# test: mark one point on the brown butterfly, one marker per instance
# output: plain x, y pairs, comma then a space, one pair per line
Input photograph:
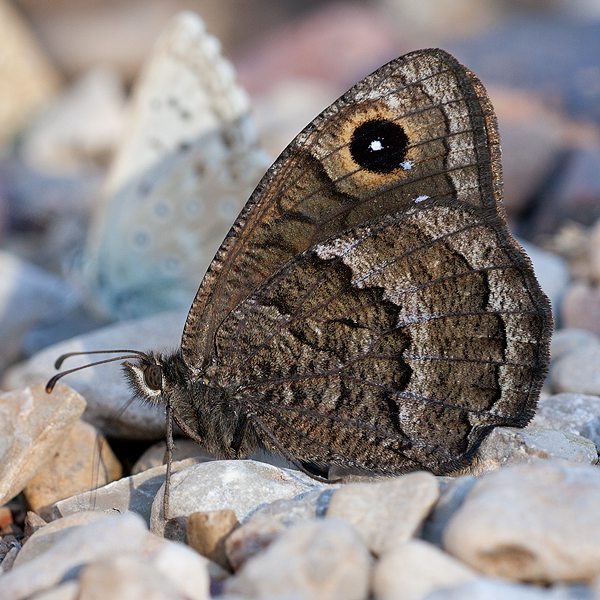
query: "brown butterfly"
369, 308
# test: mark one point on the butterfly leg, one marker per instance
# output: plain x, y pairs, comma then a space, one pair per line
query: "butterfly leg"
239, 433
168, 458
284, 452
186, 428
315, 469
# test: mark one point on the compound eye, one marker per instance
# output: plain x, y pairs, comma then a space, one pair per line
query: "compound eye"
153, 377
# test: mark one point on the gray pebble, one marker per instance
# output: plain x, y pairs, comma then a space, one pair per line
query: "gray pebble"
577, 371
386, 513
511, 446
241, 485
534, 522
573, 413
320, 559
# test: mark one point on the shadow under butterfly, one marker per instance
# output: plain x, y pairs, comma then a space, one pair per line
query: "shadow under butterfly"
369, 308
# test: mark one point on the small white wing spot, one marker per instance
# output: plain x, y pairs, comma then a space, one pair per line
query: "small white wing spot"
420, 198
407, 165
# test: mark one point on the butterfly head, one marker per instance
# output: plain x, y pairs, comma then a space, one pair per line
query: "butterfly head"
152, 376
149, 375
146, 376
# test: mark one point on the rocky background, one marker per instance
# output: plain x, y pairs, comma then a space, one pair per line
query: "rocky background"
127, 126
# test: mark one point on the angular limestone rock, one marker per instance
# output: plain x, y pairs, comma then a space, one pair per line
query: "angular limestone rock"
93, 541
84, 461
129, 494
33, 425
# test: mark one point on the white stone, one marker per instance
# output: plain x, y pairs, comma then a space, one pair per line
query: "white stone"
184, 568
386, 513
512, 446
534, 522
154, 456
28, 296
65, 591
95, 541
320, 560
44, 538
241, 485
577, 371
565, 340
267, 523
32, 427
126, 577
81, 128
415, 568
573, 413
135, 493
104, 387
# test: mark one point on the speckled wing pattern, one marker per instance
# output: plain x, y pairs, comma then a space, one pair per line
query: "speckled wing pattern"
378, 316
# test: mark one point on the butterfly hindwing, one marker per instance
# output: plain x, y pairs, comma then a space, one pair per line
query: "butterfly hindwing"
400, 342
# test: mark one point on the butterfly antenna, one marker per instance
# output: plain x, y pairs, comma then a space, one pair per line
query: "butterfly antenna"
52, 382
63, 357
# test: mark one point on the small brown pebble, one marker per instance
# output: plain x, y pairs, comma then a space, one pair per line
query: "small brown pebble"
251, 538
33, 522
206, 533
6, 517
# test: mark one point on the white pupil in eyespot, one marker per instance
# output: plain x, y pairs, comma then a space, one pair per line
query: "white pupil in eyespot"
376, 145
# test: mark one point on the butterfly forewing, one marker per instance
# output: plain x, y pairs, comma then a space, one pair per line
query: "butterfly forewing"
316, 189
370, 306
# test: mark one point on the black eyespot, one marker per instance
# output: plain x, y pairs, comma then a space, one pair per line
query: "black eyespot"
379, 145
153, 377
